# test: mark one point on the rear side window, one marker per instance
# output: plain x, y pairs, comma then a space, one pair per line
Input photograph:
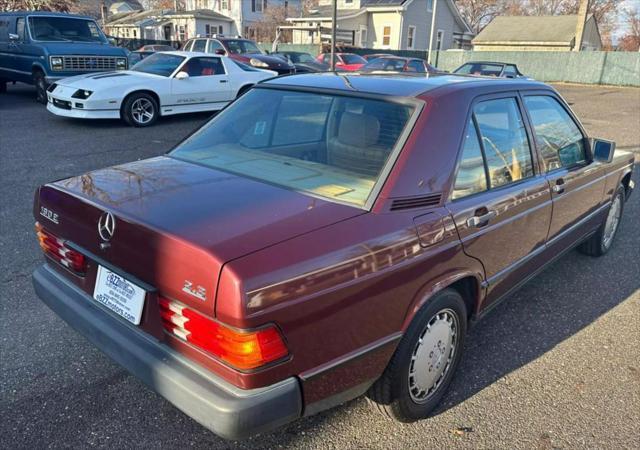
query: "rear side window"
202, 67
471, 177
504, 140
213, 46
416, 66
187, 46
558, 138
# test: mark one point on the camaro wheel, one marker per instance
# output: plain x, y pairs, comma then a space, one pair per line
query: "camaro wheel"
140, 110
41, 87
423, 365
601, 241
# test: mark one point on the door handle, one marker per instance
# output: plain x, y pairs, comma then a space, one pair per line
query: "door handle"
223, 81
482, 219
558, 188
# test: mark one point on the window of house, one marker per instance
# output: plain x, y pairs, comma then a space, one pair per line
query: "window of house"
135, 34
411, 33
386, 35
429, 5
258, 5
224, 4
504, 140
363, 37
207, 30
182, 32
220, 30
471, 177
557, 136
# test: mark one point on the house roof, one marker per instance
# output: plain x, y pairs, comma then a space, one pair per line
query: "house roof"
133, 4
157, 16
529, 29
325, 11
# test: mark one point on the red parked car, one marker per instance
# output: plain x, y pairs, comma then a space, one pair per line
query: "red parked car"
344, 61
321, 239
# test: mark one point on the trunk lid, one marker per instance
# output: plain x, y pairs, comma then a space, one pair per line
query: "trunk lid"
178, 223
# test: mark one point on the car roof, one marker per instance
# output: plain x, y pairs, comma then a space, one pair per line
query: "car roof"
392, 84
188, 54
498, 63
44, 13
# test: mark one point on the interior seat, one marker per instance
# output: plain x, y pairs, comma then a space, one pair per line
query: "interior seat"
355, 147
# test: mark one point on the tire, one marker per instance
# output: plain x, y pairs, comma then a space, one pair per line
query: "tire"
3, 86
243, 90
140, 110
602, 241
40, 83
402, 392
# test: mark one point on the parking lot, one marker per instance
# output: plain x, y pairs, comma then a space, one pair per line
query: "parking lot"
555, 366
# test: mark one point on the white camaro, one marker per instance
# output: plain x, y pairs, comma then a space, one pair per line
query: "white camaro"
162, 84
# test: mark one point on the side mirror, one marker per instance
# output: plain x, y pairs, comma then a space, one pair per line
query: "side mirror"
220, 52
603, 150
14, 37
182, 75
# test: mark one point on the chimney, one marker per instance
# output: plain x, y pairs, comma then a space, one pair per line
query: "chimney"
582, 19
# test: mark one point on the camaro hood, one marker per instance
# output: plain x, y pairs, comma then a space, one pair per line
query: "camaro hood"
102, 80
226, 214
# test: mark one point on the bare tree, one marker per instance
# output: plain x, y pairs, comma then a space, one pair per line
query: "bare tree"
630, 42
38, 5
272, 17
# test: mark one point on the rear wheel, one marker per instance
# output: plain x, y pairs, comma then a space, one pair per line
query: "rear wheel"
40, 83
140, 110
601, 242
3, 85
425, 361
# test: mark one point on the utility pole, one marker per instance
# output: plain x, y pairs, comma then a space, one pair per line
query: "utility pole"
334, 16
433, 26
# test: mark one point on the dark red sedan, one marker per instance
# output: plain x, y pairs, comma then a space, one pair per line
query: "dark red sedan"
344, 61
323, 237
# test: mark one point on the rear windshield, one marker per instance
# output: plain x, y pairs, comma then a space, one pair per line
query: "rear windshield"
353, 59
240, 47
326, 145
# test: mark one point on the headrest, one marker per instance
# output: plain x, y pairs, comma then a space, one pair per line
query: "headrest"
358, 130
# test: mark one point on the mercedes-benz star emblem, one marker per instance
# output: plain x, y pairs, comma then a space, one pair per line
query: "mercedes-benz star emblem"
106, 226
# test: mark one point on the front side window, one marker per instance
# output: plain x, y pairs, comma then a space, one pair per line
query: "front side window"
203, 67
159, 64
558, 138
199, 45
504, 139
20, 29
471, 177
239, 47
57, 29
214, 46
325, 145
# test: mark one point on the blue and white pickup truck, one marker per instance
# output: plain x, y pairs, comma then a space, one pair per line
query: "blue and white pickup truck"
40, 48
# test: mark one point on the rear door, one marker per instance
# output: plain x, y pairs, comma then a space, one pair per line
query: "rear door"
500, 202
207, 86
577, 183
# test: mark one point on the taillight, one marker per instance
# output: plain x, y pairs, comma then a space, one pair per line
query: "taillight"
56, 248
241, 349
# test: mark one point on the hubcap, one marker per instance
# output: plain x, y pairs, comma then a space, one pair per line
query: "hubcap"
142, 110
613, 219
433, 355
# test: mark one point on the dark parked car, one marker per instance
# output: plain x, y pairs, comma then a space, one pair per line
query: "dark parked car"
241, 50
41, 48
304, 62
489, 69
399, 64
325, 236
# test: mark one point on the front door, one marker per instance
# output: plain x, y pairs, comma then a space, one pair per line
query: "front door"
577, 184
207, 87
501, 204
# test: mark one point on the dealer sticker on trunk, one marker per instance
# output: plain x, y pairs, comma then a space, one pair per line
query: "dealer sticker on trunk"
119, 295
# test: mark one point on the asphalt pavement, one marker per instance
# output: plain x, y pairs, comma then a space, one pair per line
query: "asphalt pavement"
555, 366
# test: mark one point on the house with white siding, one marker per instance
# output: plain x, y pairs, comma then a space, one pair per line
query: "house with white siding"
385, 24
247, 15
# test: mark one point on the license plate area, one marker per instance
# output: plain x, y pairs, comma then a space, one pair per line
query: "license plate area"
119, 295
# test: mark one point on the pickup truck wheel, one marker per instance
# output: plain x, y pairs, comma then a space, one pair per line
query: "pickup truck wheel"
602, 240
41, 87
425, 361
140, 110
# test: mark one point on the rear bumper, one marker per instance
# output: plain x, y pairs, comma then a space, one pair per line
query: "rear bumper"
226, 410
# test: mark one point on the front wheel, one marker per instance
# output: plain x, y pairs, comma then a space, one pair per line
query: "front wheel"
425, 361
41, 87
601, 242
140, 110
3, 86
